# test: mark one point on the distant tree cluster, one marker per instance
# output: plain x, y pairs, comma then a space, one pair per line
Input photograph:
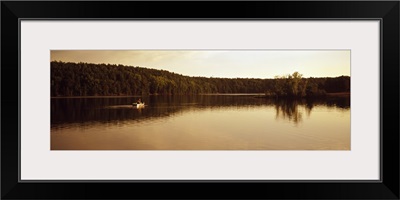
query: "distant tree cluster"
295, 85
84, 79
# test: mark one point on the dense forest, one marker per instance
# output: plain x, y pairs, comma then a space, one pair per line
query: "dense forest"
85, 79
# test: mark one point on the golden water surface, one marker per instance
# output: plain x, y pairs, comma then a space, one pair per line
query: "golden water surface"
214, 122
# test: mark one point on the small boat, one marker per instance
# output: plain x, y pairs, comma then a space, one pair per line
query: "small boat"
138, 105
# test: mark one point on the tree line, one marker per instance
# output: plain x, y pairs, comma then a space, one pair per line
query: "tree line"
86, 79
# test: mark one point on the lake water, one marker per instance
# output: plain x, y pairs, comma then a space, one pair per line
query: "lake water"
202, 122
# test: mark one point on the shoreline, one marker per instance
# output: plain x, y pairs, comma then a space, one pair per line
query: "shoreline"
336, 94
76, 97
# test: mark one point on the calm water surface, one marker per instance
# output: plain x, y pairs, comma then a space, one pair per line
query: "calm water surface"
203, 122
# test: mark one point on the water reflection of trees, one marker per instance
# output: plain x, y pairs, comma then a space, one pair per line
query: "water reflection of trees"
292, 109
89, 111
288, 110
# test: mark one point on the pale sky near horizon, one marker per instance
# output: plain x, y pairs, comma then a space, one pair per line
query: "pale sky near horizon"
221, 63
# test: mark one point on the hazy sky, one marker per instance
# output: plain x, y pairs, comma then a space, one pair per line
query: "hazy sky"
221, 63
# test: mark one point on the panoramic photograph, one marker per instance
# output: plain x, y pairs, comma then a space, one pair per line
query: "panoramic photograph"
200, 100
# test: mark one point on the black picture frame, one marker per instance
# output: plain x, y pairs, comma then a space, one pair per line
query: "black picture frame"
386, 11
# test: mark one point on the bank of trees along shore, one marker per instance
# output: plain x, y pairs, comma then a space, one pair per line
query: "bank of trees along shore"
85, 79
